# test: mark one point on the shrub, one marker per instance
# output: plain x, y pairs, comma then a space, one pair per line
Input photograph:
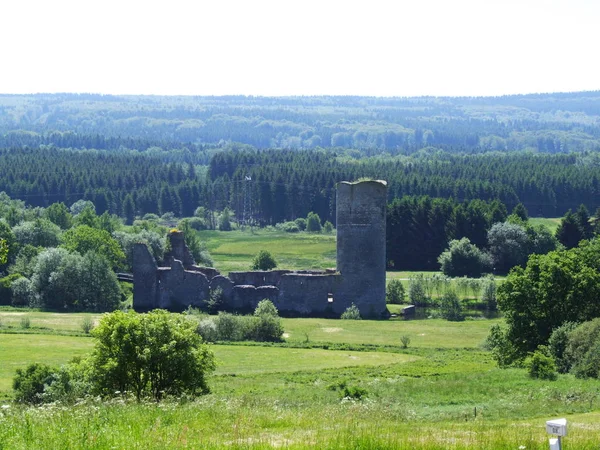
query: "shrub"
207, 329
301, 223
328, 227
266, 308
152, 355
263, 261
87, 324
463, 259
25, 322
395, 292
416, 291
289, 227
216, 301
264, 328
488, 293
229, 327
405, 340
557, 345
451, 308
351, 313
29, 384
539, 365
313, 223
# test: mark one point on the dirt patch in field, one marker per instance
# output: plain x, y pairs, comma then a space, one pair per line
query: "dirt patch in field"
332, 330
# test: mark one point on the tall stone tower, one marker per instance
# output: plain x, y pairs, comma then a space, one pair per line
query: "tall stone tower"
361, 224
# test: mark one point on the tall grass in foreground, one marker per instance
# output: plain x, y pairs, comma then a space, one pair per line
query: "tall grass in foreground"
216, 423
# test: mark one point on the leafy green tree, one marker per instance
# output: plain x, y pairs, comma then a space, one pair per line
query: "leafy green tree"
557, 345
59, 214
464, 259
225, 220
39, 233
195, 245
263, 261
540, 365
582, 352
266, 308
7, 235
153, 355
508, 246
25, 260
488, 293
328, 227
83, 239
552, 289
313, 223
153, 240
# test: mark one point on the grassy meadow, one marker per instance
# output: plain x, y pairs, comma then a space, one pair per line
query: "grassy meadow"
441, 392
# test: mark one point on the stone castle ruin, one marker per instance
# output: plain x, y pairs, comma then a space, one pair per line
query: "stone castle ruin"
359, 277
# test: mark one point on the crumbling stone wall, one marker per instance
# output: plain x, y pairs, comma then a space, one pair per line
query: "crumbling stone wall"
359, 279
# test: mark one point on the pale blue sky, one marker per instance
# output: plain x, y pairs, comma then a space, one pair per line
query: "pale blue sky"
307, 47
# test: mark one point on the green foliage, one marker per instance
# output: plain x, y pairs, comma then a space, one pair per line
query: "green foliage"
5, 288
263, 328
216, 301
313, 223
557, 346
464, 259
263, 261
289, 227
569, 232
153, 240
301, 223
488, 293
39, 233
508, 246
69, 281
416, 291
83, 239
153, 355
405, 340
348, 392
451, 307
554, 288
328, 227
582, 353
25, 260
351, 313
28, 384
87, 324
59, 214
503, 351
25, 322
21, 292
540, 365
196, 247
521, 212
394, 293
225, 220
266, 308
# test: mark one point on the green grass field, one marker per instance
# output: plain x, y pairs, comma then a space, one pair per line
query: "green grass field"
551, 223
442, 392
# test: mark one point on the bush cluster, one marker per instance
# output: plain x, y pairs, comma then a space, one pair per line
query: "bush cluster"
264, 326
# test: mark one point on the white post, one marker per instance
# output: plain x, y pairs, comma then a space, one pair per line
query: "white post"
557, 427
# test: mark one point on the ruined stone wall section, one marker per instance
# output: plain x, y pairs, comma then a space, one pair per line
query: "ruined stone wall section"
307, 294
258, 277
145, 279
361, 227
179, 250
179, 288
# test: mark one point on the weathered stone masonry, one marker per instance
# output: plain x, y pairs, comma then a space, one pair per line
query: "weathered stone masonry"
359, 278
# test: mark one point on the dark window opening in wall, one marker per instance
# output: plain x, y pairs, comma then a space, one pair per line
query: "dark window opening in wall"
329, 298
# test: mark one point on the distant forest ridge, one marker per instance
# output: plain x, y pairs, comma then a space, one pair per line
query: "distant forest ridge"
548, 123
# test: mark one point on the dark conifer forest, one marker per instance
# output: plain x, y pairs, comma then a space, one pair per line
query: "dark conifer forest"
453, 165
